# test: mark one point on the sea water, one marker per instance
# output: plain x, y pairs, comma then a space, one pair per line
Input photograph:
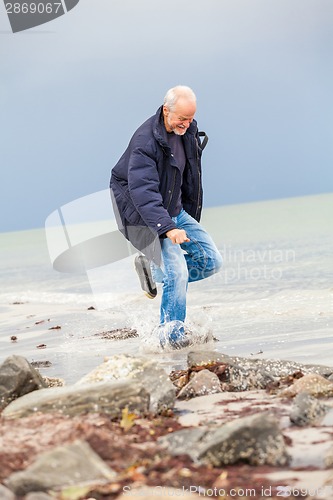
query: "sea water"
273, 298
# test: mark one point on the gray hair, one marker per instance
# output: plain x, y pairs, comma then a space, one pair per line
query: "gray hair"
172, 96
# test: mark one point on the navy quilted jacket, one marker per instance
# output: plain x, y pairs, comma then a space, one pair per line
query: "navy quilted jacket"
146, 179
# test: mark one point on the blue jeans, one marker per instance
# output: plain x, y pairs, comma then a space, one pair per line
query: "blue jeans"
180, 264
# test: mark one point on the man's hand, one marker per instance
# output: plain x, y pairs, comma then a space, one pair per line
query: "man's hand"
177, 236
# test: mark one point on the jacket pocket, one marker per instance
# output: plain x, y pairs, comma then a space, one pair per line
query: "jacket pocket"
131, 214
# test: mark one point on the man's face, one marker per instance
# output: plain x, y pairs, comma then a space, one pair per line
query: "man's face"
179, 119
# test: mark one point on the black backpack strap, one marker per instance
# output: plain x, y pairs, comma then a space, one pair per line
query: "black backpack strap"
204, 140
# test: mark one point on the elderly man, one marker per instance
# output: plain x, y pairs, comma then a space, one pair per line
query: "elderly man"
156, 188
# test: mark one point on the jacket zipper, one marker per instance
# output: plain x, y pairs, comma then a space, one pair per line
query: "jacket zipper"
173, 188
199, 177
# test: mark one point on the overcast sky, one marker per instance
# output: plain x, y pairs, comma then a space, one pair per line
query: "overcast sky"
73, 91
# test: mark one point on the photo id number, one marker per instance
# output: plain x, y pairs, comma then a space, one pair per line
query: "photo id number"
32, 8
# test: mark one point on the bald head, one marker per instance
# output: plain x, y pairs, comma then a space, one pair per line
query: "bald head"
179, 92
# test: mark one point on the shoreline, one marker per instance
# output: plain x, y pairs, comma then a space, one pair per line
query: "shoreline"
74, 338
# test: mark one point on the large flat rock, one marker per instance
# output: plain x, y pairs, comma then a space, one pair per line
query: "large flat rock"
106, 397
64, 465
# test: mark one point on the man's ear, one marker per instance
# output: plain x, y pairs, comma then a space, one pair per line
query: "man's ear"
166, 110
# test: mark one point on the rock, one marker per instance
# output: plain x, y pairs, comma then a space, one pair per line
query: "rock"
199, 358
117, 367
157, 383
106, 397
246, 379
144, 370
243, 374
64, 465
17, 377
275, 368
184, 442
152, 493
313, 384
54, 381
256, 440
233, 377
6, 494
307, 410
201, 384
